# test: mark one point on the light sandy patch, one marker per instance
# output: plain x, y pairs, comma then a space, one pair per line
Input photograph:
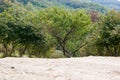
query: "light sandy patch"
86, 68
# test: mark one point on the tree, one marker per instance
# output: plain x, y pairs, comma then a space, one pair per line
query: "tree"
17, 32
109, 37
67, 27
6, 33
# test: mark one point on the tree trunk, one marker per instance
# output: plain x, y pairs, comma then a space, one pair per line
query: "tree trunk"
5, 47
23, 51
109, 51
12, 50
116, 52
66, 53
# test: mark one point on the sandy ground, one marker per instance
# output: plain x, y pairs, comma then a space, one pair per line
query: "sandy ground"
86, 68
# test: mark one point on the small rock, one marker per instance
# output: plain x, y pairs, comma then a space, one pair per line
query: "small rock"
12, 67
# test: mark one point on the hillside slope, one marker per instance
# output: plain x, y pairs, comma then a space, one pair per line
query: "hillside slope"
37, 4
111, 4
98, 5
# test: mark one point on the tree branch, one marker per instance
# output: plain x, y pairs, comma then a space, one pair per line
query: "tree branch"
68, 33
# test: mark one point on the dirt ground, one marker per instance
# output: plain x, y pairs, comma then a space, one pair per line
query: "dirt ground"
85, 68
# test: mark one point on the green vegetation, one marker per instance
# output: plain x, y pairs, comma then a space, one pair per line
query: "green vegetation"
31, 29
109, 36
38, 4
68, 28
110, 4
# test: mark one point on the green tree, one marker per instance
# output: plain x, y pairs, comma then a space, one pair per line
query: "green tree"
109, 37
67, 27
17, 32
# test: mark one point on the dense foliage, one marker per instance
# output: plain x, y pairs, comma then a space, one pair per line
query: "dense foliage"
28, 29
109, 36
69, 28
38, 4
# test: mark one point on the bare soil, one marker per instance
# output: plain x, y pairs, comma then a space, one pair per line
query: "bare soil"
85, 68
